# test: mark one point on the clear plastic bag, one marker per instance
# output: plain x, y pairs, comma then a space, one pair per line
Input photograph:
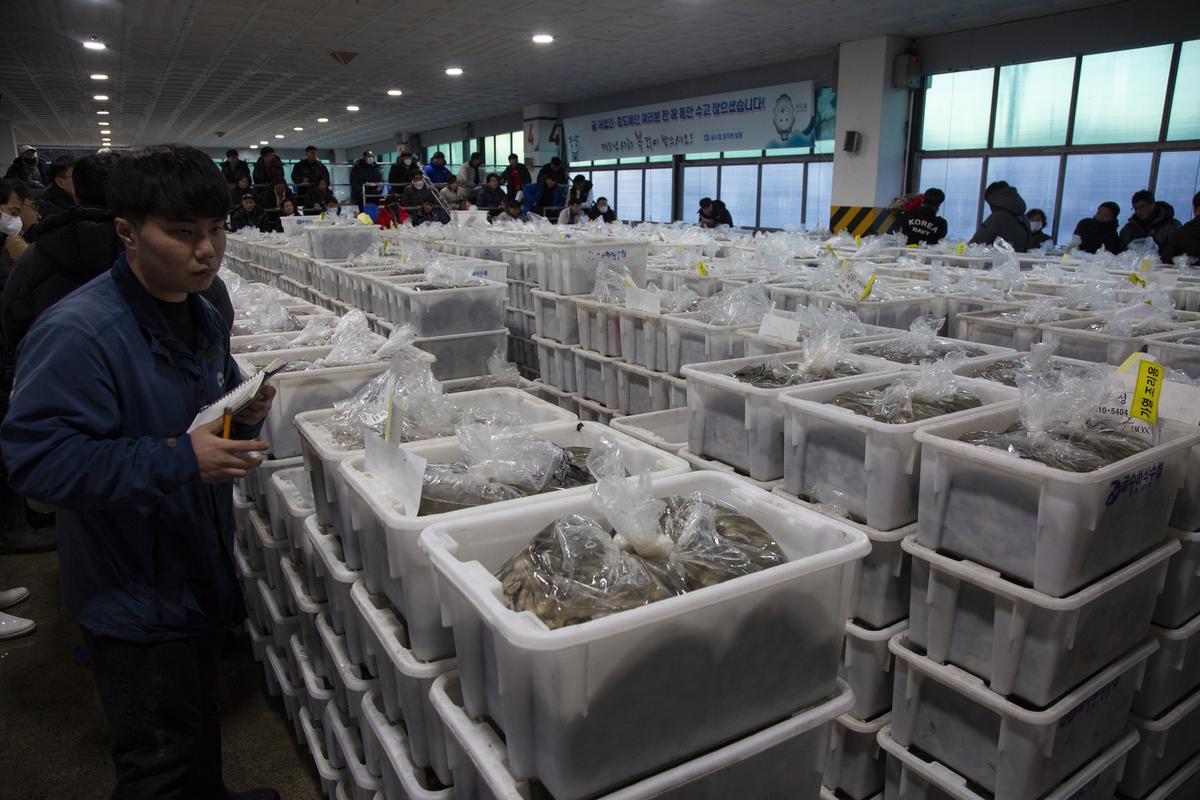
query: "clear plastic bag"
677, 301
628, 503
399, 340
739, 306
317, 331
352, 340
501, 373
611, 282
833, 317
829, 500
406, 375
927, 392
824, 359
512, 455
920, 345
442, 275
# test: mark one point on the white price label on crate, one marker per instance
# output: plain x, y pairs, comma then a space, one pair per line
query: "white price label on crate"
780, 327
642, 300
403, 470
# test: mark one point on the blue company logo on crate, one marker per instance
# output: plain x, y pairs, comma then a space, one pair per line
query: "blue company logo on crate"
612, 254
1134, 482
1092, 702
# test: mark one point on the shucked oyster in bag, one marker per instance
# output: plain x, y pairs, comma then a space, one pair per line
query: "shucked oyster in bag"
931, 391
823, 359
1093, 447
921, 345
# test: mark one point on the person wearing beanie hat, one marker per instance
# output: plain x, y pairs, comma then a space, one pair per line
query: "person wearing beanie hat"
922, 225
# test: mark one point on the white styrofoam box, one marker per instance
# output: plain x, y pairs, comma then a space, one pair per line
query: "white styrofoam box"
297, 392
1070, 339
1180, 598
1171, 673
242, 506
704, 463
1006, 748
1022, 643
557, 362
386, 747
856, 763
571, 699
565, 400
330, 776
326, 566
640, 390
643, 338
881, 588
294, 498
278, 621
599, 326
570, 267
1175, 354
692, 341
340, 242
876, 464
317, 691
382, 521
345, 747
460, 355
271, 551
742, 424
596, 378
666, 430
403, 680
1054, 530
868, 667
555, 317
348, 679
591, 411
896, 313
1167, 742
784, 760
989, 327
442, 312
915, 777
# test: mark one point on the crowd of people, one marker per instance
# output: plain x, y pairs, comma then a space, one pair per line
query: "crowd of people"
1152, 223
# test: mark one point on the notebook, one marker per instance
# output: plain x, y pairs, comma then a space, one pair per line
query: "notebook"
237, 398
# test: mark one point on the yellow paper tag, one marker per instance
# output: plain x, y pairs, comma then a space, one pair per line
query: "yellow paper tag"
832, 252
1130, 362
1146, 392
1136, 280
1064, 257
962, 248
385, 246
701, 270
322, 217
844, 264
858, 240
387, 425
1145, 265
911, 246
365, 219
866, 292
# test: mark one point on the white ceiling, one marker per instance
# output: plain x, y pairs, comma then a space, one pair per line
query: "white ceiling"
181, 70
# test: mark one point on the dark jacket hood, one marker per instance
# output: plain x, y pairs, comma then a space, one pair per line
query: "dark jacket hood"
1163, 212
1008, 200
80, 243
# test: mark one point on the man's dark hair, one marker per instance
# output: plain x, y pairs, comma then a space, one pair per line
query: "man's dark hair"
452, 179
705, 201
248, 196
1143, 196
995, 186
438, 154
511, 156
513, 204
427, 201
310, 148
9, 187
600, 200
90, 174
392, 199
574, 201
230, 152
556, 161
1196, 200
267, 151
1035, 212
475, 156
1111, 206
177, 182
367, 152
934, 197
59, 166
491, 175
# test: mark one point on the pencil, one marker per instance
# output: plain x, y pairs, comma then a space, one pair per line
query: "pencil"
228, 422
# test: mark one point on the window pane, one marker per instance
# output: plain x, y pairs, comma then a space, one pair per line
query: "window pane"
697, 182
1092, 179
742, 153
658, 195
641, 160
1036, 179
517, 145
1121, 95
1033, 102
958, 107
1185, 106
820, 191
782, 195
604, 162
604, 185
789, 151
739, 190
1178, 180
629, 195
489, 151
959, 179
701, 156
660, 159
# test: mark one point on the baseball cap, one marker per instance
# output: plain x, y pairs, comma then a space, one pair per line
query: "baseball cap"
26, 148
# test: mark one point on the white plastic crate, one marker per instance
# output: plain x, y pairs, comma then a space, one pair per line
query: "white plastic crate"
758, 344
521, 262
568, 401
253, 544
520, 294
704, 463
599, 326
1166, 745
347, 677
557, 363
596, 378
783, 760
1006, 748
327, 567
643, 338
271, 551
266, 498
642, 391
876, 464
856, 764
404, 682
974, 366
1180, 598
790, 296
387, 750
248, 579
742, 424
555, 317
386, 528
570, 267
1184, 783
294, 498
868, 667
345, 748
330, 776
1175, 354
317, 691
308, 590
691, 341
570, 699
988, 350
259, 641
460, 355
666, 430
340, 242
1020, 642
277, 620
1070, 339
1171, 673
897, 313
913, 777
290, 689
1054, 530
988, 327
443, 312
591, 411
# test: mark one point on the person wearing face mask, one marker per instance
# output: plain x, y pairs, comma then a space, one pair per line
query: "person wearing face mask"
1037, 228
573, 214
601, 210
404, 169
490, 194
418, 191
29, 168
470, 174
366, 176
18, 214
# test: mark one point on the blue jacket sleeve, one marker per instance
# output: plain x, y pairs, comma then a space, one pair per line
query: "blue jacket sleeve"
60, 438
532, 193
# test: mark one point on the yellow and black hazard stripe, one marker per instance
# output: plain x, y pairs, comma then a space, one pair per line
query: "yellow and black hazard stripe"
860, 220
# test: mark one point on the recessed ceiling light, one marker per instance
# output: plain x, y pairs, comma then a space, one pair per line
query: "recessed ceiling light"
253, 147
297, 128
454, 71
394, 92
102, 113
322, 119
352, 108
264, 141
104, 123
542, 38
99, 97
99, 76
105, 133
94, 44
279, 136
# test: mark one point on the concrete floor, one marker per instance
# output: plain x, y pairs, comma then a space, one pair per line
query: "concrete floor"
53, 738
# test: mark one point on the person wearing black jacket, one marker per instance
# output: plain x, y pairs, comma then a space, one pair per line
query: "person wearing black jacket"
404, 169
515, 176
430, 212
490, 194
581, 190
248, 216
554, 169
1151, 220
365, 172
60, 196
601, 210
29, 168
924, 226
307, 171
1007, 219
1100, 230
233, 168
268, 171
1185, 241
714, 213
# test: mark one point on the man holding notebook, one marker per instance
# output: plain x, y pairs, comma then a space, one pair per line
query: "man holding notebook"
108, 382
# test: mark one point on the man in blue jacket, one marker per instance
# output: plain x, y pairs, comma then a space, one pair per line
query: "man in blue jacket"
108, 381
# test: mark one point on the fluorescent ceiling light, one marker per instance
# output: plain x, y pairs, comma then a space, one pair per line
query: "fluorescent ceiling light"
279, 136
94, 44
99, 97
542, 38
394, 92
105, 133
297, 128
454, 71
102, 113
264, 141
352, 108
322, 119
99, 76
253, 147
